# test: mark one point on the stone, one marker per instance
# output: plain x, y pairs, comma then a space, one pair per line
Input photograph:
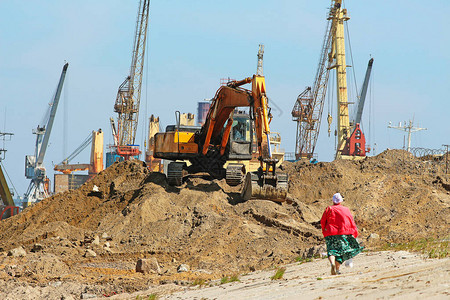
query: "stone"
56, 283
148, 265
183, 268
315, 252
17, 252
88, 296
105, 236
96, 241
373, 236
107, 245
67, 297
90, 253
11, 270
37, 248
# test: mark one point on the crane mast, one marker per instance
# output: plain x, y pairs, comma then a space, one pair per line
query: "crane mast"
129, 93
338, 15
259, 69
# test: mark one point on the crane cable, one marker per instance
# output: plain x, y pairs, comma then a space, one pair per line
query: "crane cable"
77, 151
330, 106
351, 57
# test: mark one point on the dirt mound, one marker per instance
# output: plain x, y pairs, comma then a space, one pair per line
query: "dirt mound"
99, 234
394, 195
203, 224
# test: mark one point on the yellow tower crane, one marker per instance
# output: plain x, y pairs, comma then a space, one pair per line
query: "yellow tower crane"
337, 57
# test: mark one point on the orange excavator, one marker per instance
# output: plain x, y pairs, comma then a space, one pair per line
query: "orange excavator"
227, 136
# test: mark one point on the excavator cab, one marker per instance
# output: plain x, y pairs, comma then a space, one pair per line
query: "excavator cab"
241, 137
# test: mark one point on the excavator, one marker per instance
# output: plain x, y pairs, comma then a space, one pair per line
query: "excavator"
227, 136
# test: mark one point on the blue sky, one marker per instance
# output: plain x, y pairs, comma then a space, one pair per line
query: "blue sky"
193, 44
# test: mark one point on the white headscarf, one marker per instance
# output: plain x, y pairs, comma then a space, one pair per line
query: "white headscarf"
337, 198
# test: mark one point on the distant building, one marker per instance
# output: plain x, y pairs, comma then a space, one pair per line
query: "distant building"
202, 111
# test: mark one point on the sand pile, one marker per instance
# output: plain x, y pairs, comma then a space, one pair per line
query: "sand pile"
392, 195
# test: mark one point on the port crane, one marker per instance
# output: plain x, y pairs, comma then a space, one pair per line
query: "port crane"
129, 93
308, 108
38, 188
95, 139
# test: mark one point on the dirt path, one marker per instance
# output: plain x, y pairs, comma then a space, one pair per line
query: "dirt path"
377, 275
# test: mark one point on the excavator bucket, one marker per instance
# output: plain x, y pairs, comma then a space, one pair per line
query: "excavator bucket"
258, 185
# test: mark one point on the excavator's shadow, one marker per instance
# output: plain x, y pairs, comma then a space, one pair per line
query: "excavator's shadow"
207, 184
203, 183
235, 198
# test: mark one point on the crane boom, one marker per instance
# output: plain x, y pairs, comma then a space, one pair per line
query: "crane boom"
362, 97
129, 93
54, 107
34, 165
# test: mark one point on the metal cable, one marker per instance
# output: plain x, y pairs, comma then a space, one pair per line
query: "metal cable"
77, 151
351, 57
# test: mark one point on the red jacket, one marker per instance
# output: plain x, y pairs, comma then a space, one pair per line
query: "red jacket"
338, 220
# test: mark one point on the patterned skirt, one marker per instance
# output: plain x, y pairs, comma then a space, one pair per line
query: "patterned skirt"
343, 247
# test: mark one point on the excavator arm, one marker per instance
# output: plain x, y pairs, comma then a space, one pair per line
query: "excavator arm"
266, 182
227, 99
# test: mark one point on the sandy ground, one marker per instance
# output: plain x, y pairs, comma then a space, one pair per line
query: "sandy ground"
375, 275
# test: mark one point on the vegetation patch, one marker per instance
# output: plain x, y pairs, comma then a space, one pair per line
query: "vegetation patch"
228, 279
303, 260
433, 248
279, 274
199, 282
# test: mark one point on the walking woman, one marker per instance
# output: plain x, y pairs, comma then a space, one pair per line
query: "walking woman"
340, 232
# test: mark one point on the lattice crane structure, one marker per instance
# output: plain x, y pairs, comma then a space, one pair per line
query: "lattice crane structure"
307, 111
129, 93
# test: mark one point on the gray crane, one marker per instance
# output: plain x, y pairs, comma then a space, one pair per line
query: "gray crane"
362, 97
34, 164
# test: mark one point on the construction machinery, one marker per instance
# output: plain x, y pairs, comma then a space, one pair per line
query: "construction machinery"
308, 108
8, 208
355, 144
129, 93
227, 136
95, 139
34, 164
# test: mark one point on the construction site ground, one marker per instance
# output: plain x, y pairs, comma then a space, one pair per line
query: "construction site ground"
86, 243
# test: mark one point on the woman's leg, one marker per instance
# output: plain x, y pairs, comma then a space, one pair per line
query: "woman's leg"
338, 265
332, 260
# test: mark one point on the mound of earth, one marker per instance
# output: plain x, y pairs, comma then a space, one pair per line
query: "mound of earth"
393, 196
96, 234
